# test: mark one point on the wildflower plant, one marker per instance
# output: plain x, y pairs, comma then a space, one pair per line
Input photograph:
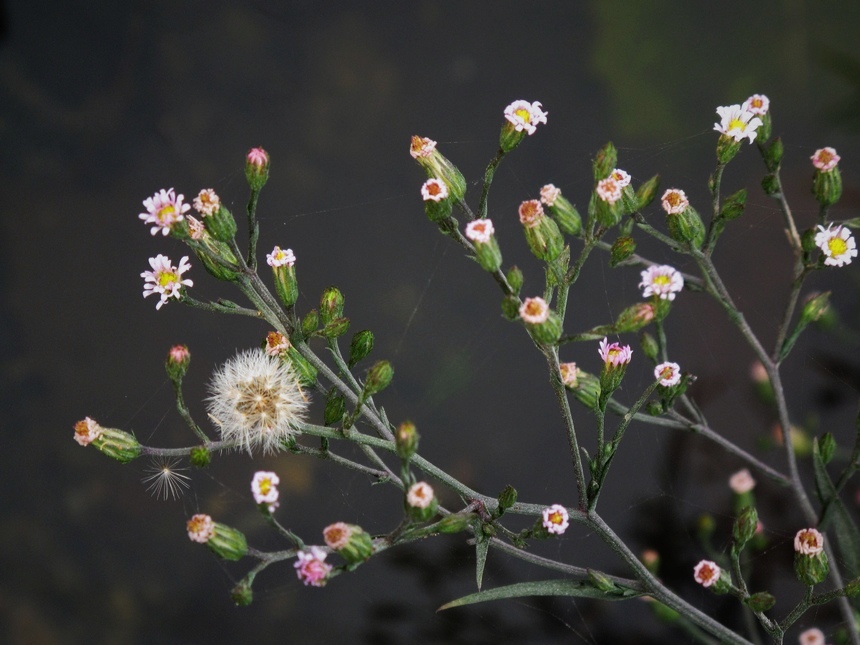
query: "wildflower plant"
282, 395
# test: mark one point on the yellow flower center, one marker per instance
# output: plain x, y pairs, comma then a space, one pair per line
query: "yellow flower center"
666, 373
674, 199
524, 114
737, 124
265, 486
555, 518
166, 213
837, 246
166, 278
534, 308
756, 103
661, 281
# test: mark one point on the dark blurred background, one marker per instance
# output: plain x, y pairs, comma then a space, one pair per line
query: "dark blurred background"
102, 104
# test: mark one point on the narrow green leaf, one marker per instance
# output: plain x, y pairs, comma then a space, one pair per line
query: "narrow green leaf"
481, 549
577, 588
835, 513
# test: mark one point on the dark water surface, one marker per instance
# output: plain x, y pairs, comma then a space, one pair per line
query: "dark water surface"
102, 104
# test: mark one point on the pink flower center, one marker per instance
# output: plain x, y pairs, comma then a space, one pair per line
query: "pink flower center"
434, 189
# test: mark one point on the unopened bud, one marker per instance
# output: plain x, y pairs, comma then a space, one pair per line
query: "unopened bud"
306, 372
406, 440
826, 447
649, 345
423, 150
515, 279
635, 317
257, 168
605, 161
336, 328
622, 248
587, 389
200, 456
770, 185
360, 346
378, 377
600, 580
565, 215
647, 192
745, 526
221, 225
760, 602
331, 305
177, 362
334, 408
455, 523
815, 308
773, 154
733, 206
242, 594
507, 498
227, 542
310, 322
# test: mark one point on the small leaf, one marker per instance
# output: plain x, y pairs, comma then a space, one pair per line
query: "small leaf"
577, 588
481, 549
847, 536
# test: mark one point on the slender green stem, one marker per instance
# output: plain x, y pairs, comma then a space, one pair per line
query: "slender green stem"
488, 179
185, 414
253, 229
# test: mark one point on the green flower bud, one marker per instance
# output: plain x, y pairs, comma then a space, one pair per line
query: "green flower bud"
635, 317
306, 372
310, 323
331, 305
766, 128
283, 267
686, 227
515, 279
649, 345
350, 541
814, 308
647, 192
378, 377
600, 581
507, 498
770, 185
336, 328
257, 168
745, 526
760, 602
220, 225
360, 346
200, 457
511, 307
177, 362
587, 389
487, 251
727, 148
605, 161
811, 569
607, 215
542, 233
406, 440
826, 447
117, 444
827, 186
773, 154
334, 408
542, 323
622, 248
423, 150
227, 543
561, 210
455, 523
213, 255
733, 206
242, 594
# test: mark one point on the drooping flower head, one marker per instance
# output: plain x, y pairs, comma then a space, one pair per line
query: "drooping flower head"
87, 431
165, 279
758, 104
311, 567
614, 354
737, 123
609, 190
279, 257
200, 528
548, 194
706, 573
534, 310
668, 373
662, 281
434, 189
164, 209
207, 202
825, 159
337, 535
530, 212
276, 343
421, 147
264, 486
569, 374
675, 201
525, 116
812, 636
621, 177
808, 542
256, 401
555, 519
837, 244
480, 230
741, 482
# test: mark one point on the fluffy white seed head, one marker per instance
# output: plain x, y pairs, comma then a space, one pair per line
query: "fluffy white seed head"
255, 400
